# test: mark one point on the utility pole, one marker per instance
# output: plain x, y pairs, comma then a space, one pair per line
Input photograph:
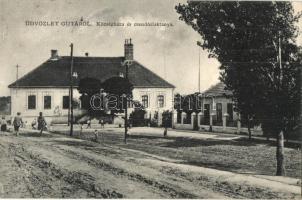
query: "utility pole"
17, 74
126, 63
126, 109
71, 90
199, 46
17, 77
199, 69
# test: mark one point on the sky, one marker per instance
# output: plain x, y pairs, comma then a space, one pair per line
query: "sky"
170, 52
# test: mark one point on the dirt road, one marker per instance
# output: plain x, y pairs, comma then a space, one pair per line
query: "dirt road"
56, 166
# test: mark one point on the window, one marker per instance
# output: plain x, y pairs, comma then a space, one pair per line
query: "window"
31, 102
160, 101
230, 111
145, 101
65, 102
47, 102
219, 112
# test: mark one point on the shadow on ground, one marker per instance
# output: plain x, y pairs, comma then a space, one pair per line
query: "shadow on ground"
75, 143
35, 134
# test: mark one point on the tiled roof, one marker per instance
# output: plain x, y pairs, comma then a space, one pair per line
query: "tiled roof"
56, 73
217, 90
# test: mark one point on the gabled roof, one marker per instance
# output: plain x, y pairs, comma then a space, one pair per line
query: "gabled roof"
56, 73
217, 91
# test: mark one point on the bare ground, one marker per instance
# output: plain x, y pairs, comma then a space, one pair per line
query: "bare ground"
56, 166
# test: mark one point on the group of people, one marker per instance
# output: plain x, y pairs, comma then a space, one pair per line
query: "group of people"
41, 122
38, 123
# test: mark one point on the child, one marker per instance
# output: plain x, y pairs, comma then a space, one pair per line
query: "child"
88, 123
102, 123
3, 124
81, 129
33, 124
96, 135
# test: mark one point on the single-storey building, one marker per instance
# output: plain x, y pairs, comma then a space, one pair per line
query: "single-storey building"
46, 88
215, 111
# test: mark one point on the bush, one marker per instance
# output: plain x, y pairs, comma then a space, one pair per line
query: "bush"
167, 119
137, 118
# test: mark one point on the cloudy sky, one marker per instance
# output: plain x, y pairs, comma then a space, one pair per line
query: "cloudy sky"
170, 52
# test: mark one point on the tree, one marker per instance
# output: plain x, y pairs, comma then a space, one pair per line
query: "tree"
260, 62
136, 117
87, 88
5, 105
116, 87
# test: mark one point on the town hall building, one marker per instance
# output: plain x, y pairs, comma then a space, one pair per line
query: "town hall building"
46, 88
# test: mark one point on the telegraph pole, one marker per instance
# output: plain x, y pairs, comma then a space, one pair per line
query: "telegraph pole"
71, 90
199, 69
17, 74
126, 63
199, 46
17, 77
126, 109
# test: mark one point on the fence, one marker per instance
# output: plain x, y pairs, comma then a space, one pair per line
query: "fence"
209, 123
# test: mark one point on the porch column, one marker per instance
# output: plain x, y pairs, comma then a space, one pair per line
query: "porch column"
193, 118
199, 117
174, 120
238, 123
224, 120
211, 118
183, 116
211, 121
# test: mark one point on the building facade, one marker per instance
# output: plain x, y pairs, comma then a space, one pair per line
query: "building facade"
46, 88
215, 113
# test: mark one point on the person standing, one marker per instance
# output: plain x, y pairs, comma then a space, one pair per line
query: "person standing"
41, 123
33, 124
17, 123
102, 123
3, 124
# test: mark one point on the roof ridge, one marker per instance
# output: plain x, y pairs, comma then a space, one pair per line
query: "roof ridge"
217, 90
154, 74
94, 56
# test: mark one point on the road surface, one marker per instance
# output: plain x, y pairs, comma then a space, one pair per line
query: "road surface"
56, 166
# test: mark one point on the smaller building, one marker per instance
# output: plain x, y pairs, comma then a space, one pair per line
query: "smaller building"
218, 108
214, 112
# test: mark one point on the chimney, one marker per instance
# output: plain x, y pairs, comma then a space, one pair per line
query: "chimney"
128, 49
54, 54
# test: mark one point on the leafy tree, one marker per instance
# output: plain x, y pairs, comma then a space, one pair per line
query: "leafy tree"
5, 105
87, 88
137, 116
119, 87
246, 38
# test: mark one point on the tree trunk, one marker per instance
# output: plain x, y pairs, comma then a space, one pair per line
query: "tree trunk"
280, 155
249, 127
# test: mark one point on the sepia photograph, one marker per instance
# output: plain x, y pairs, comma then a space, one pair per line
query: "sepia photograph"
150, 99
